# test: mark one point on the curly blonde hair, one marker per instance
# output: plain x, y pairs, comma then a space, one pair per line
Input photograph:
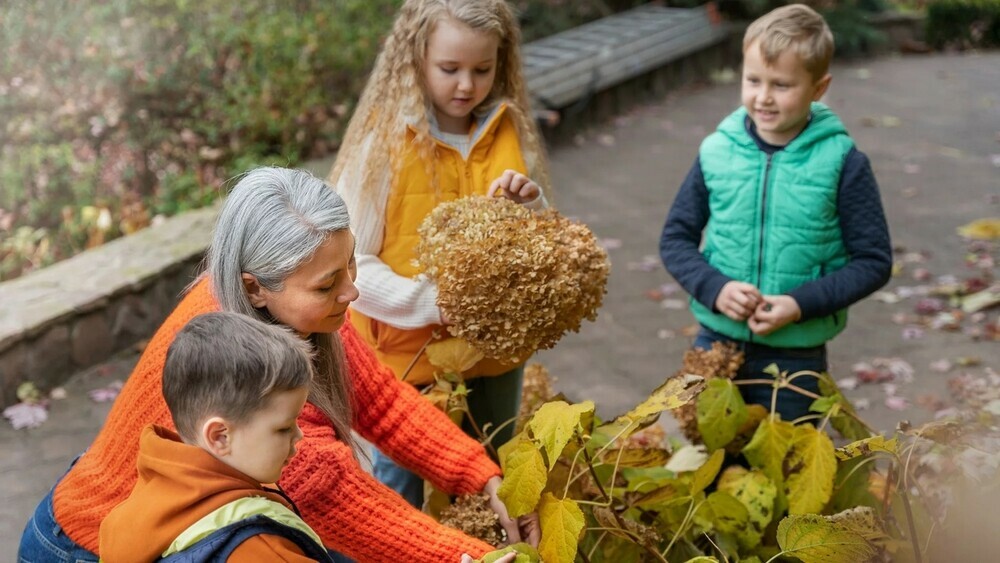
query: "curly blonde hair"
395, 96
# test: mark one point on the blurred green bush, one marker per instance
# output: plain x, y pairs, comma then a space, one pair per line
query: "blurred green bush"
117, 112
963, 23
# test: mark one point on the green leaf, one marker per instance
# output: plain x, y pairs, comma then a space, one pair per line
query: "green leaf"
523, 480
864, 448
727, 515
768, 447
772, 370
809, 469
813, 538
561, 522
850, 487
705, 475
756, 492
554, 424
703, 559
823, 404
525, 554
721, 413
845, 420
675, 392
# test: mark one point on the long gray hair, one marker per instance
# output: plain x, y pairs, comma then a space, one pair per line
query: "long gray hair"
272, 222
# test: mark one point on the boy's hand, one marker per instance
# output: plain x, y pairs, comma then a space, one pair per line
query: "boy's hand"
514, 186
774, 312
738, 300
508, 524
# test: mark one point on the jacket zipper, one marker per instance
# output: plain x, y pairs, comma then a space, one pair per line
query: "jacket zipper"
763, 213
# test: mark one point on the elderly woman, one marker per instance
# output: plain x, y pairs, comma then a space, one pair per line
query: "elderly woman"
283, 252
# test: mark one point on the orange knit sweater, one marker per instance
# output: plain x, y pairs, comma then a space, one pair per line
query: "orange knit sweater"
352, 512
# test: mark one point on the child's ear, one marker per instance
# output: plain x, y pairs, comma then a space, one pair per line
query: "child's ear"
255, 293
821, 86
215, 436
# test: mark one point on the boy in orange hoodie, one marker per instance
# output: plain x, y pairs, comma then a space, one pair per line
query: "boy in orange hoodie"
235, 387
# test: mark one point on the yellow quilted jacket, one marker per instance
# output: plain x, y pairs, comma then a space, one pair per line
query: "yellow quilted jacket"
496, 148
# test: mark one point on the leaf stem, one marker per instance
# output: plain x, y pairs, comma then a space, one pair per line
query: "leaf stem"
416, 357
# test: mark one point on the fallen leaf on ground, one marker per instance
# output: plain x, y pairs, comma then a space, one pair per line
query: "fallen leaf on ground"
26, 415
897, 403
106, 394
912, 333
981, 229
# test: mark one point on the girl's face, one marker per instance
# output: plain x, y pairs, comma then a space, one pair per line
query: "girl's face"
460, 65
315, 297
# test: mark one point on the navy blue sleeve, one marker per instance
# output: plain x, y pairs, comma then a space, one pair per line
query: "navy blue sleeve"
681, 238
866, 238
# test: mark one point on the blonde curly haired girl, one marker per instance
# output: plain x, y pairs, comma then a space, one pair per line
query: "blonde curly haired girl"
445, 115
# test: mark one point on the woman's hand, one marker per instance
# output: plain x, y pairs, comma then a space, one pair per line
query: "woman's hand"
509, 525
531, 529
515, 186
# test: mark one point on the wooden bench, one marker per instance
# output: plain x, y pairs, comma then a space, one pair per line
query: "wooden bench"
574, 65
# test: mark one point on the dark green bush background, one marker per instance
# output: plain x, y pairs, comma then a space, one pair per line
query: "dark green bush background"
963, 23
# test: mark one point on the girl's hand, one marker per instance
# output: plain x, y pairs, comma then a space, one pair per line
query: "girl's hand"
738, 300
514, 186
509, 525
774, 312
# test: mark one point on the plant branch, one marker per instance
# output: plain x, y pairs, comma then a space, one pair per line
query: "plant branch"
779, 385
416, 357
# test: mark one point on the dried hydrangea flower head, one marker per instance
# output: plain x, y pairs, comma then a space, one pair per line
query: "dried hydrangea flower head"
512, 281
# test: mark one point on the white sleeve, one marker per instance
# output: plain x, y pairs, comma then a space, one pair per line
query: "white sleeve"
396, 300
386, 296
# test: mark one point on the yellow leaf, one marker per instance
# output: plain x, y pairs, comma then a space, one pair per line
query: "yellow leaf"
504, 451
453, 355
704, 475
721, 413
767, 451
562, 521
523, 481
866, 447
756, 492
810, 468
675, 392
861, 520
554, 424
981, 229
768, 447
636, 457
813, 538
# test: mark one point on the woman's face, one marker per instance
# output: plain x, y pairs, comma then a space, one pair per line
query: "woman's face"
315, 297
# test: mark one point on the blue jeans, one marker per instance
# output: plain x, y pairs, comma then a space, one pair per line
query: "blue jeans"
492, 400
790, 404
43, 539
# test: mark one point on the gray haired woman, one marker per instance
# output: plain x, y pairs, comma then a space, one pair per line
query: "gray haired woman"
283, 252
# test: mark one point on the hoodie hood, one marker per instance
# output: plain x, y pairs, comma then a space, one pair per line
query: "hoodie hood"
178, 485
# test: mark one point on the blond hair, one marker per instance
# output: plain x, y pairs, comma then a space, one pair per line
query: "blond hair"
795, 27
395, 96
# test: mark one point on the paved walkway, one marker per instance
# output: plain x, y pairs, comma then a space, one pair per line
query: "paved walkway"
931, 126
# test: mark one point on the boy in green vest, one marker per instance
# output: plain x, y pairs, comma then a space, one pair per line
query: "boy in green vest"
785, 210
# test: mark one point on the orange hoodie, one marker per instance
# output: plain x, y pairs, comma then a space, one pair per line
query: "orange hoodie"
352, 512
178, 485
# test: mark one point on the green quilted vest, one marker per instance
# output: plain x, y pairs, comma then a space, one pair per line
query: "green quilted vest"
773, 219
